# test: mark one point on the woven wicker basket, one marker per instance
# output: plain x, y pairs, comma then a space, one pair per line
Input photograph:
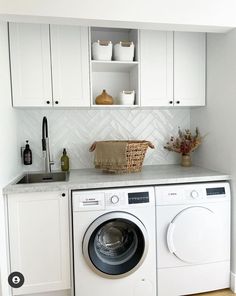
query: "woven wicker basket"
135, 153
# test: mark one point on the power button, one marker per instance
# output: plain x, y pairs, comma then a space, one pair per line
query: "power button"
114, 199
194, 194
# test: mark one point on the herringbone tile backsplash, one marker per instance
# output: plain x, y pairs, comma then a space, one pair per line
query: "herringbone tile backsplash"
76, 130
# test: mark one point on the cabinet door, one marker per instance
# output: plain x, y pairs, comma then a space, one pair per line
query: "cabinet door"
39, 241
156, 49
30, 65
189, 68
70, 66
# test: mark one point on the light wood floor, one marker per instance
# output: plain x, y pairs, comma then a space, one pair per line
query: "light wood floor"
225, 292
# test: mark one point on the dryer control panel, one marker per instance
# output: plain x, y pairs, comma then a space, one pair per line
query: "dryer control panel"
192, 193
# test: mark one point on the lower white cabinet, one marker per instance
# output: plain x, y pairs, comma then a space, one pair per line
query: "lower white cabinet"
39, 241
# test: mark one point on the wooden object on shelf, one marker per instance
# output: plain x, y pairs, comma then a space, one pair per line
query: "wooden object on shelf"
104, 99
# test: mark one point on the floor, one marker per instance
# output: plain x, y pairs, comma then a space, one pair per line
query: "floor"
225, 292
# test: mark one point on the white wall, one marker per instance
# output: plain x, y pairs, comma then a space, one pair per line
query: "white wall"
133, 13
218, 120
9, 165
76, 130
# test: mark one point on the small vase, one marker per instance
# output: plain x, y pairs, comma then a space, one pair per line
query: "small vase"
186, 160
104, 99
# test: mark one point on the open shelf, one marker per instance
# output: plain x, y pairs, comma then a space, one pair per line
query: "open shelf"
112, 66
114, 76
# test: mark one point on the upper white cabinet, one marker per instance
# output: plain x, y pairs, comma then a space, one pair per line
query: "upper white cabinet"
39, 241
53, 65
30, 64
49, 65
172, 68
189, 68
70, 66
156, 49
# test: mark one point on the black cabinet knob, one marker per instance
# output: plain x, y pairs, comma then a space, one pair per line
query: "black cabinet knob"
177, 102
170, 102
63, 194
56, 102
48, 102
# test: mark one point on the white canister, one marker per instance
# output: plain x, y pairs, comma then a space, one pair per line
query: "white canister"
124, 51
127, 97
102, 50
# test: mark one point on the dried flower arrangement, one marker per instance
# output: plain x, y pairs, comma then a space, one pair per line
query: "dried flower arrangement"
185, 143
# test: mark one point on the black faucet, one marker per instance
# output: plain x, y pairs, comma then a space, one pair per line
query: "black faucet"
45, 146
44, 132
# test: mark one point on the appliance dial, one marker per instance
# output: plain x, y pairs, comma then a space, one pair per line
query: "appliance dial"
114, 199
194, 194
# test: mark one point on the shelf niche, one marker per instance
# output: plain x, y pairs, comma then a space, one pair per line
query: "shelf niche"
114, 76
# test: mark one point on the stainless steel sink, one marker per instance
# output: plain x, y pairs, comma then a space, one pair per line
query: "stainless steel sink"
43, 177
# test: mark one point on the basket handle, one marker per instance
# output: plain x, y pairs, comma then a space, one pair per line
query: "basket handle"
93, 147
150, 145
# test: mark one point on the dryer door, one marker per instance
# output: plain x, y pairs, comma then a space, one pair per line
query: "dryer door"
192, 236
115, 244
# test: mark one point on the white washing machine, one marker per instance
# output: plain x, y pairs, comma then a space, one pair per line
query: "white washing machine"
193, 238
114, 242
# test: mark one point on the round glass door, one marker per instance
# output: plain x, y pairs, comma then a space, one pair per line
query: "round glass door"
115, 244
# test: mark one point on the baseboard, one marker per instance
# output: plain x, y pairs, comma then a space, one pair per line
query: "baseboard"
233, 282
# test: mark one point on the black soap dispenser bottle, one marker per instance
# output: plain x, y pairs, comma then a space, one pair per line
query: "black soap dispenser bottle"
27, 154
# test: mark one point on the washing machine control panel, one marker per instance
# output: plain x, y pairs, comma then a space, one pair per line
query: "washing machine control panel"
113, 199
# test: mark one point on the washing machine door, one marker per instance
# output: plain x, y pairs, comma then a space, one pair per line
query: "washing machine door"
115, 244
193, 235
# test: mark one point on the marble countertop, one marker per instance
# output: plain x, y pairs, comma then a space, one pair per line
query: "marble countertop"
94, 178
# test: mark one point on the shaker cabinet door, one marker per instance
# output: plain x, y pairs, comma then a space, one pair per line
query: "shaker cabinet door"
70, 66
189, 68
30, 65
39, 241
156, 50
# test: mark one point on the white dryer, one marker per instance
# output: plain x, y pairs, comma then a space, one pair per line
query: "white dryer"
114, 242
193, 238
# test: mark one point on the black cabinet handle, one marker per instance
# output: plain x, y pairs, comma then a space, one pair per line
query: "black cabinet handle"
56, 102
48, 102
177, 102
63, 194
170, 102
